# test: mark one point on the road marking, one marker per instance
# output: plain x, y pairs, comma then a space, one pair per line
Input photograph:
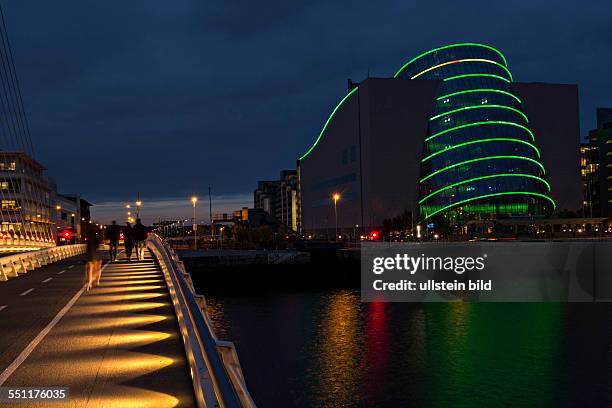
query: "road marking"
47, 280
71, 266
30, 348
26, 292
60, 272
3, 307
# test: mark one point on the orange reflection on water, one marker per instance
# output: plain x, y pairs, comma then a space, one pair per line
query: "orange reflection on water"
339, 363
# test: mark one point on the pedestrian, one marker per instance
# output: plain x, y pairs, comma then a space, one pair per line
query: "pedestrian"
113, 233
93, 268
128, 240
140, 237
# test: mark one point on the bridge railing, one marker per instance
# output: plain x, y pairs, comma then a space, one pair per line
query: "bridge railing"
13, 265
215, 369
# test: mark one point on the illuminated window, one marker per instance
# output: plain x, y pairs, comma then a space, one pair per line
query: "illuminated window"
7, 166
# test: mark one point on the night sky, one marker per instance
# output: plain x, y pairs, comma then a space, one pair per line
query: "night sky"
165, 98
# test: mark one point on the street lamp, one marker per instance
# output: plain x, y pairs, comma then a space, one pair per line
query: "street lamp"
221, 230
336, 197
194, 200
59, 213
138, 204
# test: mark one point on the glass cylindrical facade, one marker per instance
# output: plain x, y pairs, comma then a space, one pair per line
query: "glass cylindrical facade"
480, 159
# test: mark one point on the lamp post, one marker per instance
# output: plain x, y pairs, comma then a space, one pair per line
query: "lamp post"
336, 197
221, 233
194, 200
138, 204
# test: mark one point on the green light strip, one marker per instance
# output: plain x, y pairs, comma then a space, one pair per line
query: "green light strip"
485, 177
481, 159
488, 122
443, 64
449, 46
480, 90
496, 139
477, 75
488, 196
479, 107
327, 122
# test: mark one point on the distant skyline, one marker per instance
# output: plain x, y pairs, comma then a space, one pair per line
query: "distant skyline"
166, 98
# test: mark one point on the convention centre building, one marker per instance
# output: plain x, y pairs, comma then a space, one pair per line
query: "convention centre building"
450, 138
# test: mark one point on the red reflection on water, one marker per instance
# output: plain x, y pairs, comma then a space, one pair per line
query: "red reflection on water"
377, 350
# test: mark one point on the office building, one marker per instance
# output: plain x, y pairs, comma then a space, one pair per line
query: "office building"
599, 191
26, 203
589, 171
279, 198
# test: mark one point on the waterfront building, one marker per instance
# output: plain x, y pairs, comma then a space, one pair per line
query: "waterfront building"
589, 171
279, 198
64, 214
450, 138
600, 140
71, 216
25, 203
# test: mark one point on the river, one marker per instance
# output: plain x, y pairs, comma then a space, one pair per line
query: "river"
328, 349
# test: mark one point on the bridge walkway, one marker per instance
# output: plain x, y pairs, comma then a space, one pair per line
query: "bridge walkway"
117, 346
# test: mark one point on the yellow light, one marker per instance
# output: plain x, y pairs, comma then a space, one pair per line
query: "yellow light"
336, 196
128, 206
194, 199
138, 203
58, 207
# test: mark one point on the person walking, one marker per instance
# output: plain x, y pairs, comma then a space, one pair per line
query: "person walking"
113, 232
140, 237
128, 240
93, 268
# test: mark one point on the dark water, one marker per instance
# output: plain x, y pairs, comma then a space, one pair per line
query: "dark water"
327, 349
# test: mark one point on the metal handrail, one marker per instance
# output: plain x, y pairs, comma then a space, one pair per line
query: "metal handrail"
13, 265
215, 368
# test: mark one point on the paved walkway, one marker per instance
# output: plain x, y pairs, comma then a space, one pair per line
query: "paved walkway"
118, 346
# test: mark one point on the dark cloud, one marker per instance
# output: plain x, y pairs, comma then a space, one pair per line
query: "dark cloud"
166, 97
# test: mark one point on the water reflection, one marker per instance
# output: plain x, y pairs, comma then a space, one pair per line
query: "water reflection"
328, 349
338, 363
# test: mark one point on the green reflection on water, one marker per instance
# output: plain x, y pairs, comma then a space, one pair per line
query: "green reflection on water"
491, 355
435, 355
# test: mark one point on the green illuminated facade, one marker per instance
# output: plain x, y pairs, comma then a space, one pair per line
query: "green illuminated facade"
450, 142
480, 159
